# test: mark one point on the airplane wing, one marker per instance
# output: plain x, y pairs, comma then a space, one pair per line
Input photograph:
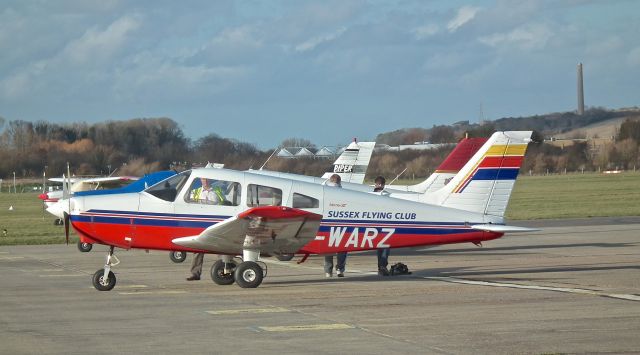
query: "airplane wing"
501, 228
277, 229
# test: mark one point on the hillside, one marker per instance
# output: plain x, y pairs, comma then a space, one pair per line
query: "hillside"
598, 122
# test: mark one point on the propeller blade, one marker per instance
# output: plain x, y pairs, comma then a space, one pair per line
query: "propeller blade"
66, 227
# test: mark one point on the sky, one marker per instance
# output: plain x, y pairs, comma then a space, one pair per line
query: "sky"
327, 71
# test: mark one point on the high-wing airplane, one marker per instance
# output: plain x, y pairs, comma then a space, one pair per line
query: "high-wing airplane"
243, 213
82, 184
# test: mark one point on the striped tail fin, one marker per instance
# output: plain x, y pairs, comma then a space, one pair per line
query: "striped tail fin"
459, 156
485, 183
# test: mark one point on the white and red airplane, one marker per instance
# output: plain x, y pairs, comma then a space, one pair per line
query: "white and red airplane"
51, 198
250, 214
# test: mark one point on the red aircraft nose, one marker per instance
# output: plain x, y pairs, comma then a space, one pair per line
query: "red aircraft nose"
43, 196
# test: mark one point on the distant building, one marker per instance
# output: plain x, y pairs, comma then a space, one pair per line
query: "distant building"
415, 146
325, 153
284, 153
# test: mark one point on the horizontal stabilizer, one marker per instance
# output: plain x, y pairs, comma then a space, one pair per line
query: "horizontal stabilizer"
501, 228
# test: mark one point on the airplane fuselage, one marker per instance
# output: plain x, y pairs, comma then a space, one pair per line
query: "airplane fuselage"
351, 220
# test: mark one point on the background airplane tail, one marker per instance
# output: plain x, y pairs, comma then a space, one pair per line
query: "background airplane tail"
459, 156
352, 164
485, 183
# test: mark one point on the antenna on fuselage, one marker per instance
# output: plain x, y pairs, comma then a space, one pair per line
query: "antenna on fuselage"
269, 158
397, 176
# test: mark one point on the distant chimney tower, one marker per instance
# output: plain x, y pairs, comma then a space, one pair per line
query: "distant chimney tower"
580, 91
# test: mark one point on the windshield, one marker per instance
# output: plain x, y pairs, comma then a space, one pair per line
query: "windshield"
168, 189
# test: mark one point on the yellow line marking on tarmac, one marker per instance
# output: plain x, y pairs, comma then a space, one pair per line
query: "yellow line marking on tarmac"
10, 258
295, 328
250, 310
169, 292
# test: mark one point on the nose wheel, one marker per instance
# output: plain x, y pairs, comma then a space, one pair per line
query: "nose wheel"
104, 279
104, 284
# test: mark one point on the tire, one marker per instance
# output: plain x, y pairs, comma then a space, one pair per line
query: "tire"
97, 278
177, 256
285, 257
219, 277
85, 247
248, 275
58, 222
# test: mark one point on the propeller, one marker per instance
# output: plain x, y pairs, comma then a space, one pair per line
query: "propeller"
66, 227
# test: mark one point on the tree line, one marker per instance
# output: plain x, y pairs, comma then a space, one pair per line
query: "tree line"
143, 145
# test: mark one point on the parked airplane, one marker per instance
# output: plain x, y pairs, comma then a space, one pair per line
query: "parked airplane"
82, 184
251, 214
61, 205
463, 151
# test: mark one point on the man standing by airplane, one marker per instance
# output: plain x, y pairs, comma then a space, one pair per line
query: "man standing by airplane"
383, 253
341, 258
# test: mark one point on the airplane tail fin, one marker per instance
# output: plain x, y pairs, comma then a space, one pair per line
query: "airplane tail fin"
352, 164
452, 164
486, 181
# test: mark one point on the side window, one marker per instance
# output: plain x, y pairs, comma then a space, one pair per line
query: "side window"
168, 189
258, 195
213, 192
304, 201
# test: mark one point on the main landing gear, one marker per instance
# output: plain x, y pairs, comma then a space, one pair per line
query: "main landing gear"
105, 279
247, 274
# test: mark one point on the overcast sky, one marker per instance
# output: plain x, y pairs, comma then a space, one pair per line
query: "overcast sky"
263, 71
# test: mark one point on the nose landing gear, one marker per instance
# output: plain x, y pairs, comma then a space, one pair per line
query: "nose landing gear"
105, 279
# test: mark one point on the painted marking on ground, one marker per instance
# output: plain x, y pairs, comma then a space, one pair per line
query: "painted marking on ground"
249, 311
168, 292
304, 327
627, 297
133, 286
535, 287
10, 258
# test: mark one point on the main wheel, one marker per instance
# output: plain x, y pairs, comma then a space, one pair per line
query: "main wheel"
84, 247
177, 256
218, 275
58, 222
284, 257
101, 284
248, 275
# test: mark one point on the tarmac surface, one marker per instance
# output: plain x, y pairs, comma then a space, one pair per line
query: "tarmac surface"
573, 287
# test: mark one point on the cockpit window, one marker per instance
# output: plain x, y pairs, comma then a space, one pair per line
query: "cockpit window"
213, 192
168, 189
304, 201
258, 195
